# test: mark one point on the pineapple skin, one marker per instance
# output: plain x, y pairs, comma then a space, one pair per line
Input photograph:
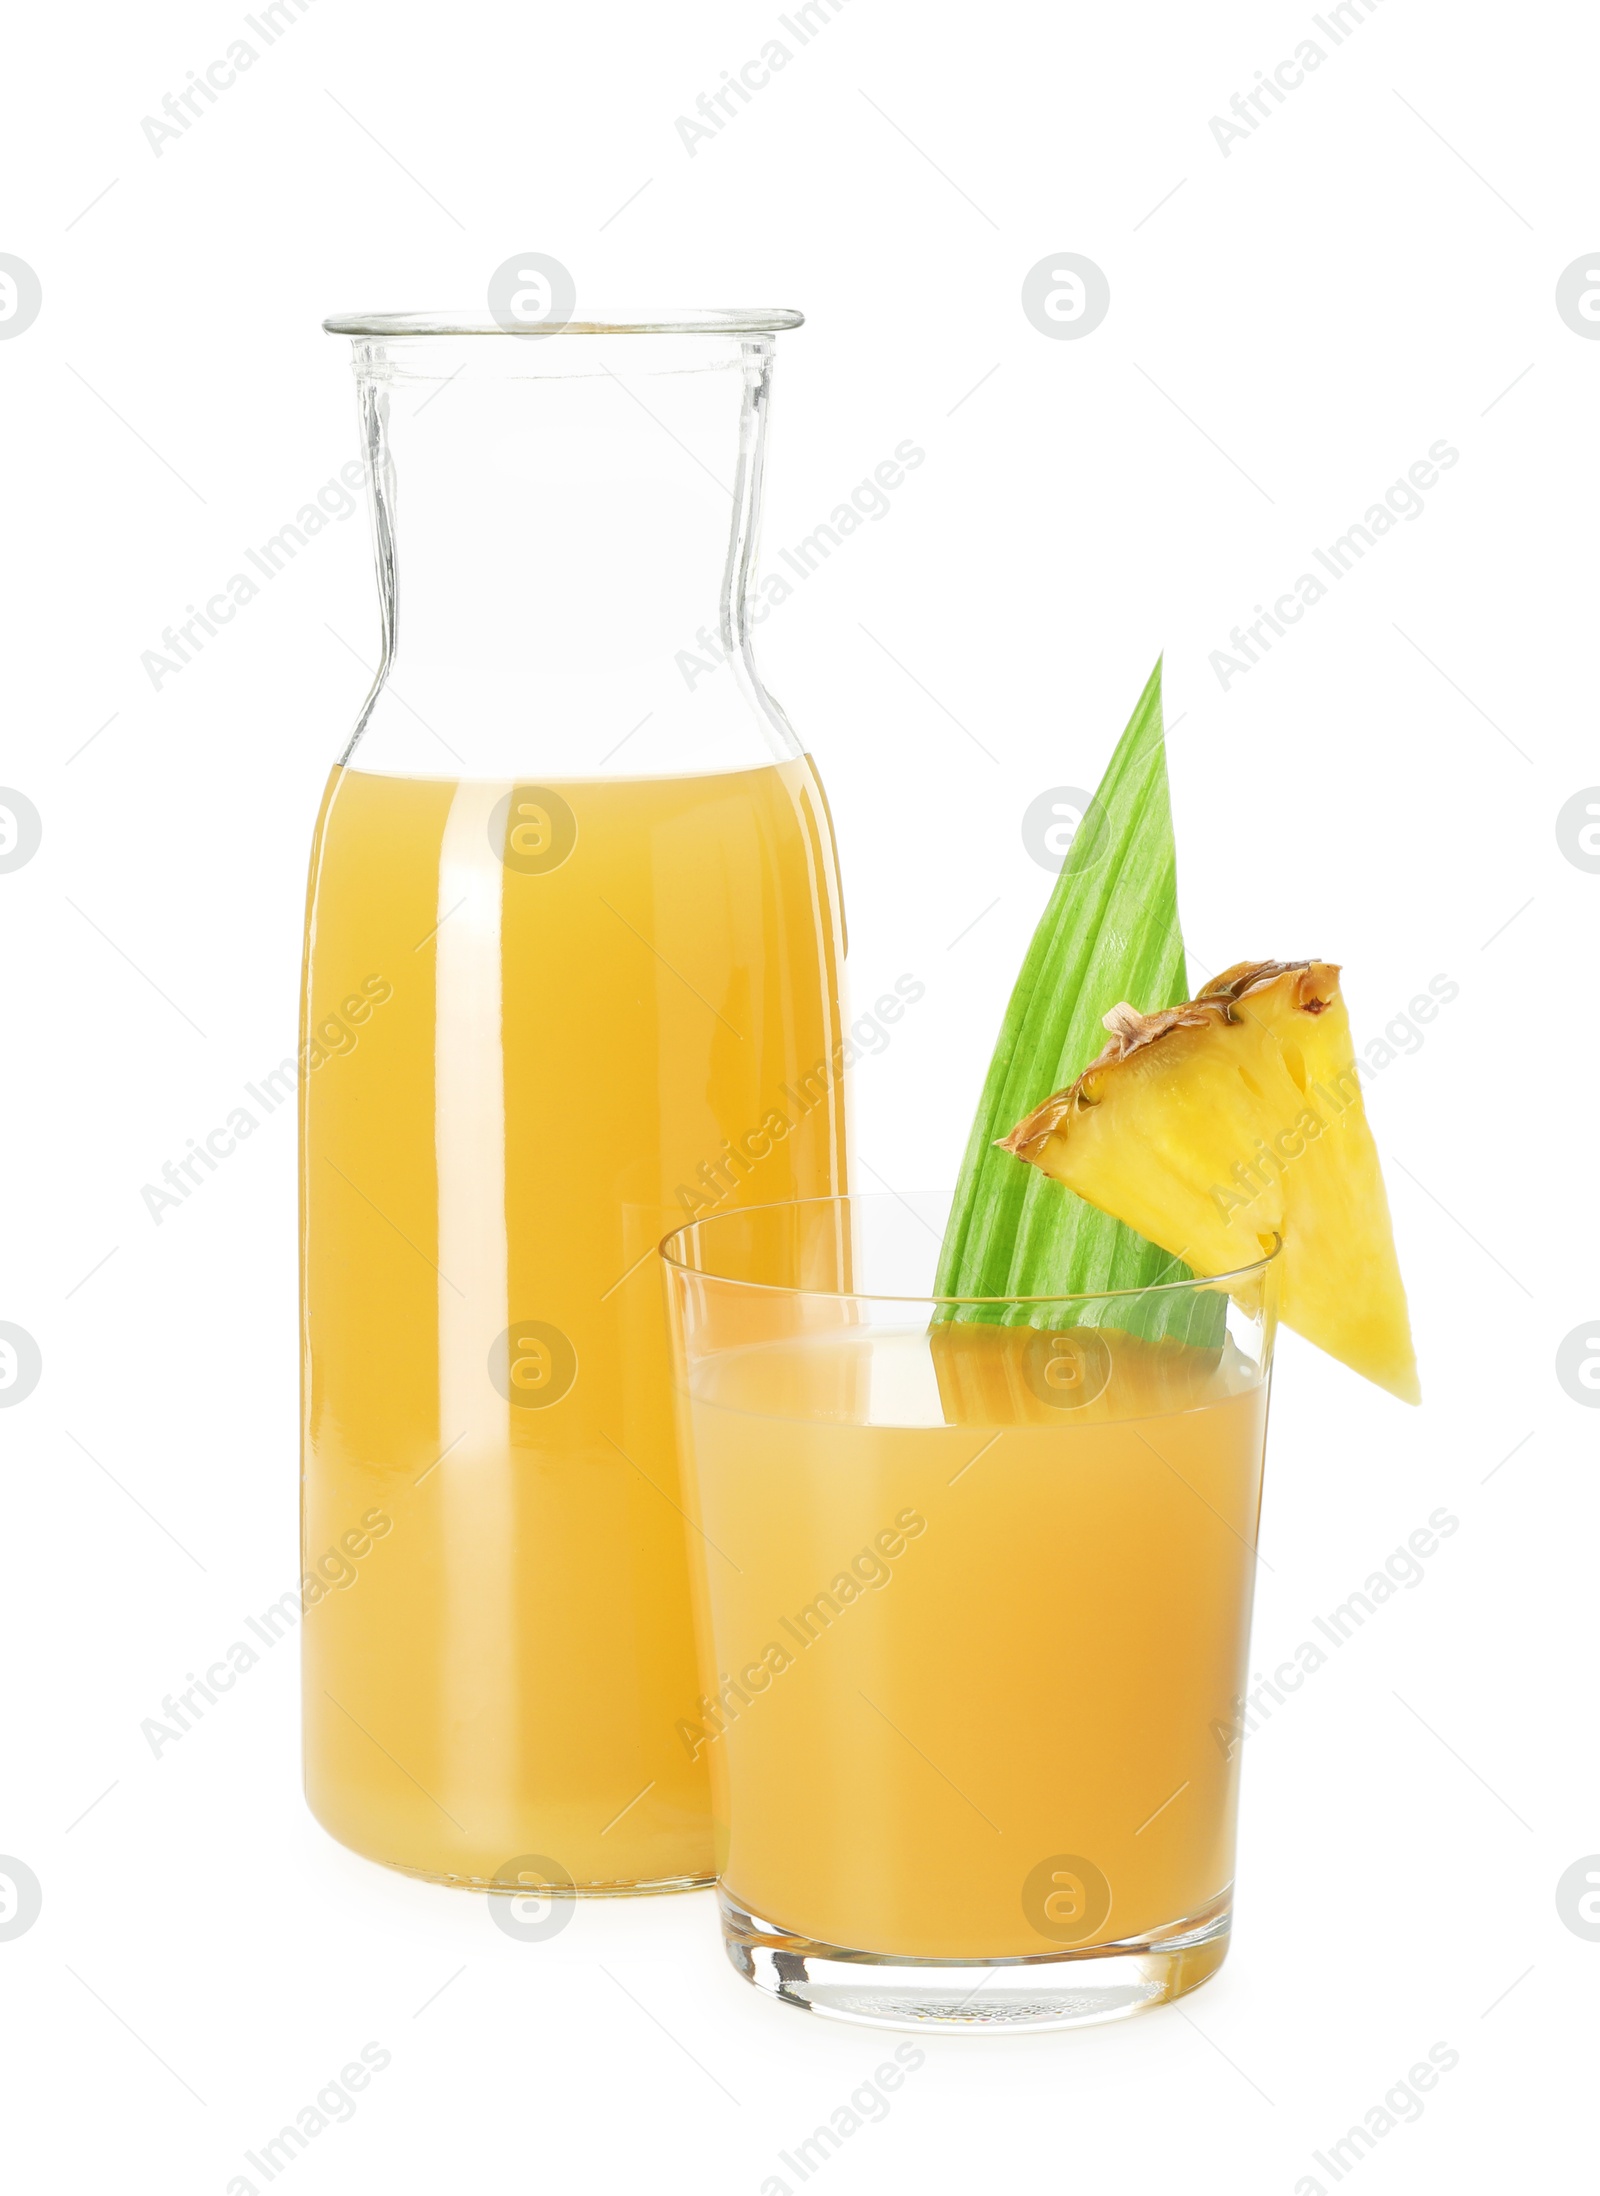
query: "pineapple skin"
1235, 1121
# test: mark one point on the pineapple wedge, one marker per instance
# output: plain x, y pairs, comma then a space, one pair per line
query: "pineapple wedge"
1217, 1126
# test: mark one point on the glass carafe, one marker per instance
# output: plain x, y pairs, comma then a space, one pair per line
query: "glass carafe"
572, 977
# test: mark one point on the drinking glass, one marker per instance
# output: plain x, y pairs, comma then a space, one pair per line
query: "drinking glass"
973, 1589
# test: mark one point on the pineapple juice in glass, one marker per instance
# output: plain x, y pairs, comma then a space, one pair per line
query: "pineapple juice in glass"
975, 1585
573, 940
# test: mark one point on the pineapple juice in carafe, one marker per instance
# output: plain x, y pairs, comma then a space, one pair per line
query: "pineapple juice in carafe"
574, 917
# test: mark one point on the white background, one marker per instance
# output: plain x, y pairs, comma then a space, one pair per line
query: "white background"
1291, 326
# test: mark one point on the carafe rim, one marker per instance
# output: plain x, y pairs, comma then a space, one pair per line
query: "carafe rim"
666, 320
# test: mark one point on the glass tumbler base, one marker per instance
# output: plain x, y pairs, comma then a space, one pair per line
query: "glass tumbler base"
1068, 1989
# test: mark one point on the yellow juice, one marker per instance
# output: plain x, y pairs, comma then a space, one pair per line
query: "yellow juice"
543, 1026
976, 1653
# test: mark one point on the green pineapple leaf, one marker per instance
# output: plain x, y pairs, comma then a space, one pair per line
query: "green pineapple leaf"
1110, 932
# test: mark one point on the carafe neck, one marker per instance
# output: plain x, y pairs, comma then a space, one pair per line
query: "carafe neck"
565, 531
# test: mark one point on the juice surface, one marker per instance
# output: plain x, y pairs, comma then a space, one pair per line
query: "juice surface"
973, 1638
540, 1033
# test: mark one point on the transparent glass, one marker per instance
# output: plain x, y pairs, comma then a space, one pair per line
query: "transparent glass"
572, 973
974, 1586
